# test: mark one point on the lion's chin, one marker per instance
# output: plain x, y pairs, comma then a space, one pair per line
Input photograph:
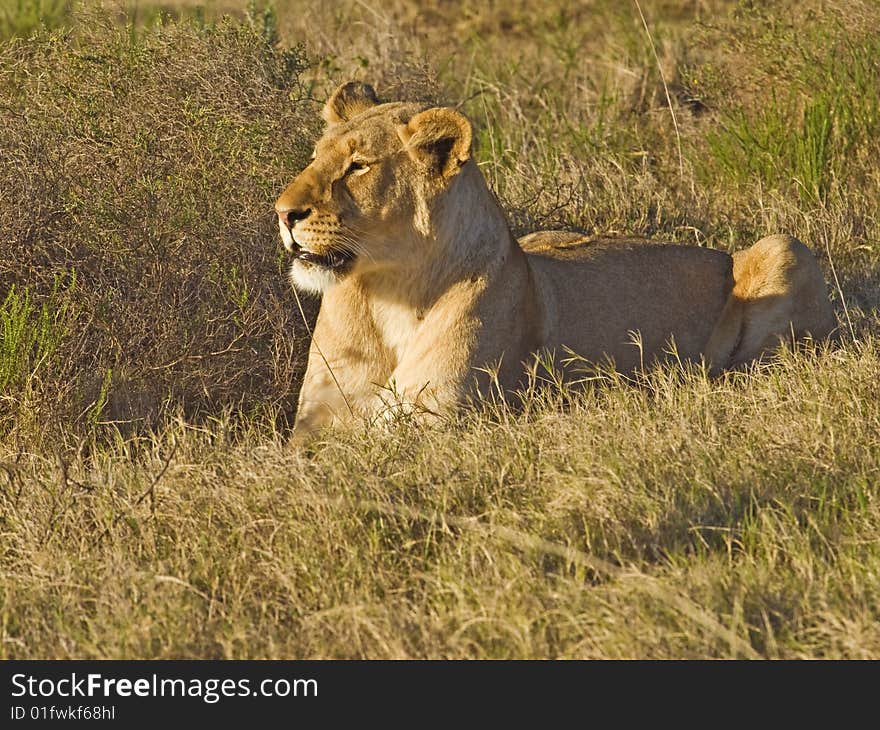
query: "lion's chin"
313, 278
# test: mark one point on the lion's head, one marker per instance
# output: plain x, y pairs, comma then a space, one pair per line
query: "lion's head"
366, 198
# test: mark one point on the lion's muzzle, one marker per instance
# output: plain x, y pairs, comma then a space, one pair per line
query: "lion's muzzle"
334, 259
287, 219
288, 238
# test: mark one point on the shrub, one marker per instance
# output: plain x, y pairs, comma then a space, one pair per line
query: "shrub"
144, 165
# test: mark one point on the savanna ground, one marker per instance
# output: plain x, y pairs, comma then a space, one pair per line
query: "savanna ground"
151, 349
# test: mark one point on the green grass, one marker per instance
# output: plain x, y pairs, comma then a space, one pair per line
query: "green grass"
149, 507
24, 17
804, 152
30, 338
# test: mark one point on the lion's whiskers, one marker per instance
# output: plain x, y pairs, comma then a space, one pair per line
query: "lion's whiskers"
353, 245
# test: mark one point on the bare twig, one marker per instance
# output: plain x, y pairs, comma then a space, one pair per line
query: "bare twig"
852, 331
149, 492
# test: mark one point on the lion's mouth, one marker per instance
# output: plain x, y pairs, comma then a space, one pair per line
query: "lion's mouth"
334, 259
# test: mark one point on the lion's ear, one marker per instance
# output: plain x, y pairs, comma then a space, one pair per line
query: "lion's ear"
438, 138
347, 101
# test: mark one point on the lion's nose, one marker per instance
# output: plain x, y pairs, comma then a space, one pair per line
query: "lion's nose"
290, 216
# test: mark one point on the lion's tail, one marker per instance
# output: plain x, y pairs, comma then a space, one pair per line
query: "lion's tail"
778, 293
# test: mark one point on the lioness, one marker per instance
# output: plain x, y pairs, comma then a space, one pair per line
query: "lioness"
424, 286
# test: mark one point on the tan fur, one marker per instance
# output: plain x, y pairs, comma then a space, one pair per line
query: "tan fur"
778, 294
424, 287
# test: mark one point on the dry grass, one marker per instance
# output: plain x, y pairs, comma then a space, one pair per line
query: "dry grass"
680, 516
685, 518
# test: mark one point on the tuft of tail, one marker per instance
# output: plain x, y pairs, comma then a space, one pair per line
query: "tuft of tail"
778, 294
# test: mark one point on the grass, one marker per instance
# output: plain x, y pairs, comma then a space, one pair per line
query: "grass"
839, 116
151, 352
30, 337
738, 517
24, 17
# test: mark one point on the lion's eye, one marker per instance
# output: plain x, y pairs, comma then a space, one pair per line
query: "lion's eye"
356, 167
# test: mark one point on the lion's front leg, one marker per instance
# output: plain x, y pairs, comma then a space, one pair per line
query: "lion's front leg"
323, 401
432, 378
345, 362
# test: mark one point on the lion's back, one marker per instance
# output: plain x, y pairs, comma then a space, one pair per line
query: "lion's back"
598, 291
